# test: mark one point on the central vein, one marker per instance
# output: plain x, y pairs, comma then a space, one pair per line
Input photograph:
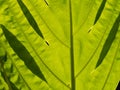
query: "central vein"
71, 49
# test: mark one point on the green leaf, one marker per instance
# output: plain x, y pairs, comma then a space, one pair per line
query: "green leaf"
7, 80
83, 38
22, 52
100, 10
109, 41
29, 17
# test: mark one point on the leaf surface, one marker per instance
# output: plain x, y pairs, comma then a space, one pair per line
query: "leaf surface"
83, 51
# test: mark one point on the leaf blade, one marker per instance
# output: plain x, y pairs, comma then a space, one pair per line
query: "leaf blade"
22, 52
108, 41
30, 18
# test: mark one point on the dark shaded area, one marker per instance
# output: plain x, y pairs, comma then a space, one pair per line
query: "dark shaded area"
99, 13
118, 87
29, 17
22, 52
7, 80
47, 43
109, 41
3, 58
100, 10
46, 2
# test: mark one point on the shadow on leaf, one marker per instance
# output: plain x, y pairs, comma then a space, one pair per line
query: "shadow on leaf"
22, 52
109, 41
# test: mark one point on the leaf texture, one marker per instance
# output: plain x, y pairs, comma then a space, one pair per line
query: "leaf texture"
29, 17
109, 41
82, 50
22, 52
